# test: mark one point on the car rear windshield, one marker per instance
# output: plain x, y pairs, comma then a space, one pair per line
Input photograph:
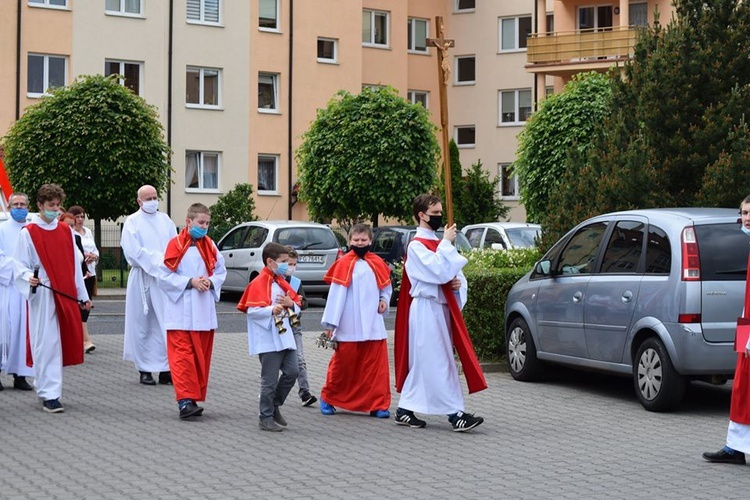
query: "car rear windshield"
723, 251
307, 238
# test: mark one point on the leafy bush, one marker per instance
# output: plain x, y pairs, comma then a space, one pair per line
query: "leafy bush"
485, 258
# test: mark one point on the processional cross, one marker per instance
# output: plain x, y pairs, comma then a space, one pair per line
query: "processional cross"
444, 75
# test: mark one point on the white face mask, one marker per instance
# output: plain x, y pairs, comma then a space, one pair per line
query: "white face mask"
150, 206
290, 270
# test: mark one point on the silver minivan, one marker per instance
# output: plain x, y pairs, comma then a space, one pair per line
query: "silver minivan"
653, 294
242, 248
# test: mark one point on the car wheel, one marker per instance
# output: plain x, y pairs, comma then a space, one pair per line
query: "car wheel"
657, 384
521, 352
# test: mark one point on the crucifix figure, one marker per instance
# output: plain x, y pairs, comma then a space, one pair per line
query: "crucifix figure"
444, 74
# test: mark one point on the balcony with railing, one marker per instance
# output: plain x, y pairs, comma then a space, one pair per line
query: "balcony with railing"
563, 52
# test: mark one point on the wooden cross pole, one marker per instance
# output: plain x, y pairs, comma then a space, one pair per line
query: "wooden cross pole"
444, 72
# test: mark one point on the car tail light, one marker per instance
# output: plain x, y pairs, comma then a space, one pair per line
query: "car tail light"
339, 254
689, 318
691, 263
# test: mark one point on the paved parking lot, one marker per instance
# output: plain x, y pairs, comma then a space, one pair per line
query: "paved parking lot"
575, 436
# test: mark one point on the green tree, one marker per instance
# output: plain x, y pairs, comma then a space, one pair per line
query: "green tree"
96, 139
477, 201
565, 121
677, 134
232, 208
365, 155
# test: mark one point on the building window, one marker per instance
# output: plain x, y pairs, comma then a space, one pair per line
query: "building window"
465, 136
465, 70
203, 11
638, 14
268, 18
418, 96
268, 92
417, 33
508, 181
45, 72
202, 170
268, 174
130, 71
515, 106
462, 5
374, 28
123, 7
550, 23
328, 50
513, 33
202, 87
48, 3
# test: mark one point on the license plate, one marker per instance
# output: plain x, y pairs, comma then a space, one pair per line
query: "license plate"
311, 259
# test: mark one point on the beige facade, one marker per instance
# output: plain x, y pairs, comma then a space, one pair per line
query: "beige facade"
247, 81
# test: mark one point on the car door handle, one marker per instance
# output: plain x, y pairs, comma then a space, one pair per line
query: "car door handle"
230, 255
577, 297
627, 296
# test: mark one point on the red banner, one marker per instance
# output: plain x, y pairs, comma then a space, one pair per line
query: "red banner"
4, 181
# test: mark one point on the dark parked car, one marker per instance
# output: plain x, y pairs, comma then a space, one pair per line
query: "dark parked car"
390, 242
651, 294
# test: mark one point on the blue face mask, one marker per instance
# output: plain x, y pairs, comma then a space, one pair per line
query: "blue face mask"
19, 214
197, 232
282, 269
51, 214
745, 230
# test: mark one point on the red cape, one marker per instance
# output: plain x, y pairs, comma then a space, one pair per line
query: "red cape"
55, 249
178, 245
461, 339
258, 292
341, 271
739, 410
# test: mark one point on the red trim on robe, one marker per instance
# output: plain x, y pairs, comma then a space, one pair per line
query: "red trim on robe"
178, 245
55, 249
358, 377
258, 291
739, 410
341, 271
461, 339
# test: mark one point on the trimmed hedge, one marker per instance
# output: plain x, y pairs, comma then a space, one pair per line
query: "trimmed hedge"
484, 312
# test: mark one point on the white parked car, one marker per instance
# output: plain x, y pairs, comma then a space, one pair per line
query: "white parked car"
503, 235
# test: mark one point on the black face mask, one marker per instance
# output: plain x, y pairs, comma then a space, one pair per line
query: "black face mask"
361, 251
435, 222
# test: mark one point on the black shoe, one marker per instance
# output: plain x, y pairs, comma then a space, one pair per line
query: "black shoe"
407, 418
463, 422
308, 399
1, 386
190, 410
147, 379
723, 456
21, 384
165, 378
53, 406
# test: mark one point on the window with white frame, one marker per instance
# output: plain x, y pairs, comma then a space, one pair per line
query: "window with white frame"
130, 71
202, 87
462, 5
418, 96
328, 49
268, 15
375, 28
123, 7
202, 170
268, 92
45, 71
465, 136
418, 32
513, 33
268, 174
515, 106
48, 3
204, 11
508, 181
465, 70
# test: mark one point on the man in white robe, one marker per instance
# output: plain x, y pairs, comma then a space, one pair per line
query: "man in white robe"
12, 303
145, 235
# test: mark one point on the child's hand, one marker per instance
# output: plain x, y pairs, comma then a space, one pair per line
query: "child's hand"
285, 300
329, 333
456, 283
277, 309
382, 307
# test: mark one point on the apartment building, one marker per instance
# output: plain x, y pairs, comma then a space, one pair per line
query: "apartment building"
237, 82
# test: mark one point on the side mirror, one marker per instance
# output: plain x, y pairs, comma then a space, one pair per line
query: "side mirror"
497, 246
543, 267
